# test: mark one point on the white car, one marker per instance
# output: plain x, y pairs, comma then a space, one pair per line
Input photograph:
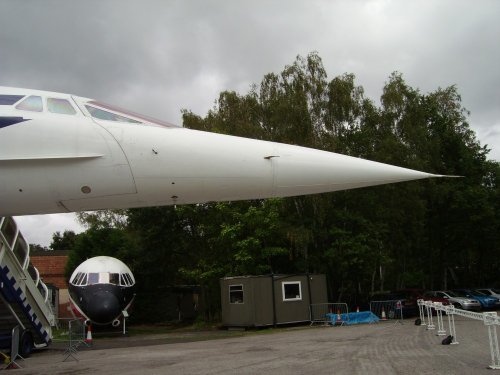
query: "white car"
493, 292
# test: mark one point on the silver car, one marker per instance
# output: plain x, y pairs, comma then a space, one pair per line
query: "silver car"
463, 303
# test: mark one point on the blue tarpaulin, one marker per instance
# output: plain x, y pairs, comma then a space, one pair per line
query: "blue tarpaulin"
353, 318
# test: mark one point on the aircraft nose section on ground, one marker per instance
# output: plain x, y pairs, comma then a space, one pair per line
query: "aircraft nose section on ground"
105, 307
299, 170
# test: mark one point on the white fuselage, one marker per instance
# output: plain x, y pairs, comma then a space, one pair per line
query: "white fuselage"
55, 162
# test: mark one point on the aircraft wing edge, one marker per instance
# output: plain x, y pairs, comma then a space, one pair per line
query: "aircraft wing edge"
51, 157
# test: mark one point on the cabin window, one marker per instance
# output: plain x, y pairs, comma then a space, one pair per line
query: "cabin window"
292, 291
108, 116
235, 293
10, 99
114, 278
32, 103
61, 106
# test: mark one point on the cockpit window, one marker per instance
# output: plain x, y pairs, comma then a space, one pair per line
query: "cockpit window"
129, 278
83, 278
10, 99
31, 103
93, 278
126, 279
61, 106
127, 114
108, 116
80, 279
122, 280
114, 278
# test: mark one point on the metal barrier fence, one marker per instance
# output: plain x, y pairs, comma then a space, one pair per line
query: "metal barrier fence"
73, 332
386, 310
319, 312
490, 319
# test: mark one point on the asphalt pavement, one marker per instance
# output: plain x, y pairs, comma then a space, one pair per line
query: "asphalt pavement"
381, 348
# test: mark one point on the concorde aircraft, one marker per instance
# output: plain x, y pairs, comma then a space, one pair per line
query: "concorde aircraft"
101, 289
64, 153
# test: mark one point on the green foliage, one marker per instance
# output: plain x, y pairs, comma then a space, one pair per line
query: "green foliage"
102, 241
65, 241
430, 234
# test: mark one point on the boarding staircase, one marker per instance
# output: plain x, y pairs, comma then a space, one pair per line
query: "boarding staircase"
24, 298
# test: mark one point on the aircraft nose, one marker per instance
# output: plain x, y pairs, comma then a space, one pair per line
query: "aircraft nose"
104, 307
299, 171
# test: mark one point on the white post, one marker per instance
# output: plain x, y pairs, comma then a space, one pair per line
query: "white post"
125, 316
421, 311
489, 321
450, 310
430, 323
439, 313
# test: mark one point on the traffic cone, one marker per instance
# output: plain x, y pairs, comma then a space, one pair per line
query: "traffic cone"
339, 318
88, 339
383, 314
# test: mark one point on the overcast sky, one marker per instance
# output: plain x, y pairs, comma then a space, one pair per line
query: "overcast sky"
158, 57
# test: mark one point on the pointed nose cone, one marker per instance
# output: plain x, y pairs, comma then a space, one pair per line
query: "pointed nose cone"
299, 171
192, 166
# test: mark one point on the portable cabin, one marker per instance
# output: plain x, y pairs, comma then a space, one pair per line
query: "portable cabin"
256, 301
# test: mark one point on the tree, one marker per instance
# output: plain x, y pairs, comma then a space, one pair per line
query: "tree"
430, 234
65, 241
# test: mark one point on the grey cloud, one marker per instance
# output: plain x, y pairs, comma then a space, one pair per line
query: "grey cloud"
157, 57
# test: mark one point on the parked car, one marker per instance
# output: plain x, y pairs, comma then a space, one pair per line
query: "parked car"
463, 303
431, 296
487, 302
407, 297
493, 292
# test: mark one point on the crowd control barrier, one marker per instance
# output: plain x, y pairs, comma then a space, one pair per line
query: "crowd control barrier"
385, 310
72, 332
491, 321
319, 312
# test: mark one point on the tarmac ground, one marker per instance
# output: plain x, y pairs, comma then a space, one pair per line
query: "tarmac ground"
381, 348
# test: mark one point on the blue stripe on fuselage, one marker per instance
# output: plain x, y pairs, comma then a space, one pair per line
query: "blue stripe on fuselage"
9, 120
